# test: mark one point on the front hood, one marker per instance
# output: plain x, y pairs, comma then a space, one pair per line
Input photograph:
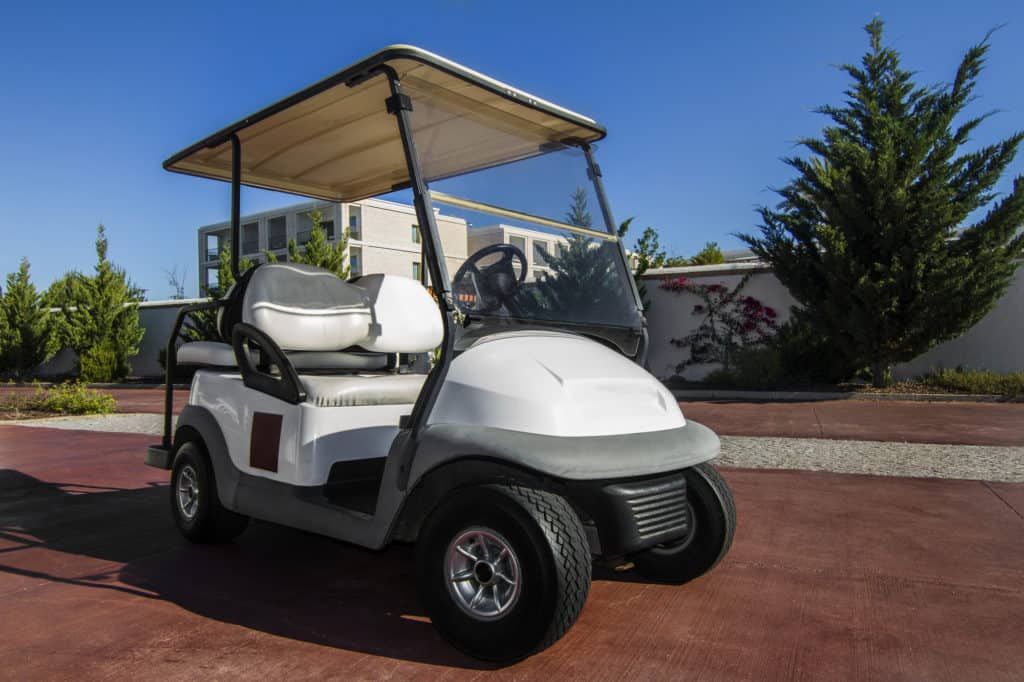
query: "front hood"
553, 384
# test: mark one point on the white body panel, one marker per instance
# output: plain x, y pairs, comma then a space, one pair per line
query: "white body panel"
312, 438
555, 385
547, 384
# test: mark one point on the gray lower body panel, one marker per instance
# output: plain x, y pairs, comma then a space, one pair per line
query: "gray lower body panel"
583, 458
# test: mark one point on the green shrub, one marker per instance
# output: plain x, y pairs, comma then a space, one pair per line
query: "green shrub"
754, 367
62, 399
102, 363
807, 356
961, 380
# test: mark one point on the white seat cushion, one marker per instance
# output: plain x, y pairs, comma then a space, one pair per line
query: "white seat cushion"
306, 308
207, 353
362, 389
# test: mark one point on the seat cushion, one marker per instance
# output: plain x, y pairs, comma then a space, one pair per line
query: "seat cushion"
362, 389
302, 307
336, 360
207, 354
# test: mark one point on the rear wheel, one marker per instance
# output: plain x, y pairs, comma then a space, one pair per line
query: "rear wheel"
195, 504
712, 526
503, 571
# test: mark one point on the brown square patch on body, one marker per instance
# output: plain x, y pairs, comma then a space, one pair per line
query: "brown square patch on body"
265, 441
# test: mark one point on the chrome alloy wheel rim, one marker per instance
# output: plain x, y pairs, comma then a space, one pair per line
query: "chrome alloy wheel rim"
188, 492
483, 573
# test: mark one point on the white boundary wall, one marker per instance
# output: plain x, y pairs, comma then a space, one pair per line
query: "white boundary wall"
996, 343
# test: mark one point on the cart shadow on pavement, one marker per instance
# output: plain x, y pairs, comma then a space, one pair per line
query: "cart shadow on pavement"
272, 579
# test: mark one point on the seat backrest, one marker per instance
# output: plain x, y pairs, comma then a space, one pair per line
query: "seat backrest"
305, 308
406, 318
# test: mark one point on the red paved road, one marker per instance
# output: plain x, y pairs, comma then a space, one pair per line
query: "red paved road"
831, 577
885, 420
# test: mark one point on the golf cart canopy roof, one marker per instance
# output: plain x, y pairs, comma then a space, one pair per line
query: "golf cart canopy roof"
336, 140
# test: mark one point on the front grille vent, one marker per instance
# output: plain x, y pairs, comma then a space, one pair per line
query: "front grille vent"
662, 511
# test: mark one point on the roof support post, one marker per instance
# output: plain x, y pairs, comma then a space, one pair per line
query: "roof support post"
400, 105
594, 173
236, 205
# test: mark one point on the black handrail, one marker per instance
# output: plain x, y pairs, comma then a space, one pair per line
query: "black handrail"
171, 363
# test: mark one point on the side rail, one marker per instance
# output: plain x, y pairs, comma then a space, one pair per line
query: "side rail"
171, 364
285, 384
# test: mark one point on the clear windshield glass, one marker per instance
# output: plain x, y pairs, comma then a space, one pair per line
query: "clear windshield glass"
536, 255
538, 248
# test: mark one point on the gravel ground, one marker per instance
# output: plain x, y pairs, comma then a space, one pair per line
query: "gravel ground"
811, 454
871, 457
152, 424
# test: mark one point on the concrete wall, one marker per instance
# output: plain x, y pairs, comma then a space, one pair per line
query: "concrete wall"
996, 343
670, 315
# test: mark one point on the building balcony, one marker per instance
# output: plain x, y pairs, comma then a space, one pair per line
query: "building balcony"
277, 242
252, 246
212, 254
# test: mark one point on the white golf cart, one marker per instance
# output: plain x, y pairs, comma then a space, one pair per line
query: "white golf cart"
535, 443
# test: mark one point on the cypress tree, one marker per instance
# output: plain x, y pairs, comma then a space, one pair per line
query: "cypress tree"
24, 327
879, 237
101, 316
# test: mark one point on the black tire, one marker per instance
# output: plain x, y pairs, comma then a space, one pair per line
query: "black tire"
713, 524
550, 547
205, 520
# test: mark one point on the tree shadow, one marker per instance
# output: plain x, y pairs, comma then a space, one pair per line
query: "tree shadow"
273, 579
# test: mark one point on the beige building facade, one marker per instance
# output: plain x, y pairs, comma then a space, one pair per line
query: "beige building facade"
383, 237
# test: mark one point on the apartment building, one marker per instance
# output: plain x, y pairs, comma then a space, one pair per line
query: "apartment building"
535, 245
383, 236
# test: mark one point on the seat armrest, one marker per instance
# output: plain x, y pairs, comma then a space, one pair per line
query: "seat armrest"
284, 387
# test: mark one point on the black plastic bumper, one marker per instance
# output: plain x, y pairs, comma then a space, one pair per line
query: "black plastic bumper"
632, 515
158, 456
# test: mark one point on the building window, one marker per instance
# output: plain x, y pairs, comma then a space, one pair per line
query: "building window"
519, 243
212, 246
278, 237
355, 222
416, 270
416, 234
328, 226
355, 261
540, 253
250, 238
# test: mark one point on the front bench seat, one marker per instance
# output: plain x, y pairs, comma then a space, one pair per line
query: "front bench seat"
310, 313
362, 389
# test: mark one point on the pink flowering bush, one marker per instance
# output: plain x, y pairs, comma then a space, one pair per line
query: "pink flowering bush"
732, 322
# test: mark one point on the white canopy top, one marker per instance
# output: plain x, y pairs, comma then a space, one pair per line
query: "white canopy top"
335, 140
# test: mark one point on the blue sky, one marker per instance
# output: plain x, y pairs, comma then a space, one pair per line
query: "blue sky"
700, 101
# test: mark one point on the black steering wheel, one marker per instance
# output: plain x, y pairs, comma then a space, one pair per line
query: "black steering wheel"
494, 285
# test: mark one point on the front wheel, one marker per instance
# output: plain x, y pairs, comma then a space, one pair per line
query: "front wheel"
712, 526
502, 570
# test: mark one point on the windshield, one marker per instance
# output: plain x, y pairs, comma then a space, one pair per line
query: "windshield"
538, 248
537, 254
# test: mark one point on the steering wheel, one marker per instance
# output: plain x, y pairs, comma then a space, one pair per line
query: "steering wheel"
494, 284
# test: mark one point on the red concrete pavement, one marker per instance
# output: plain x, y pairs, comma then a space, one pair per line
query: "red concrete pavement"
957, 423
831, 577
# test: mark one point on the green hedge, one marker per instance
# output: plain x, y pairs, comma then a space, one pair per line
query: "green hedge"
978, 381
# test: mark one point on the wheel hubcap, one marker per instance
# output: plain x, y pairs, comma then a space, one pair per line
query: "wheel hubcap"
483, 573
188, 492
